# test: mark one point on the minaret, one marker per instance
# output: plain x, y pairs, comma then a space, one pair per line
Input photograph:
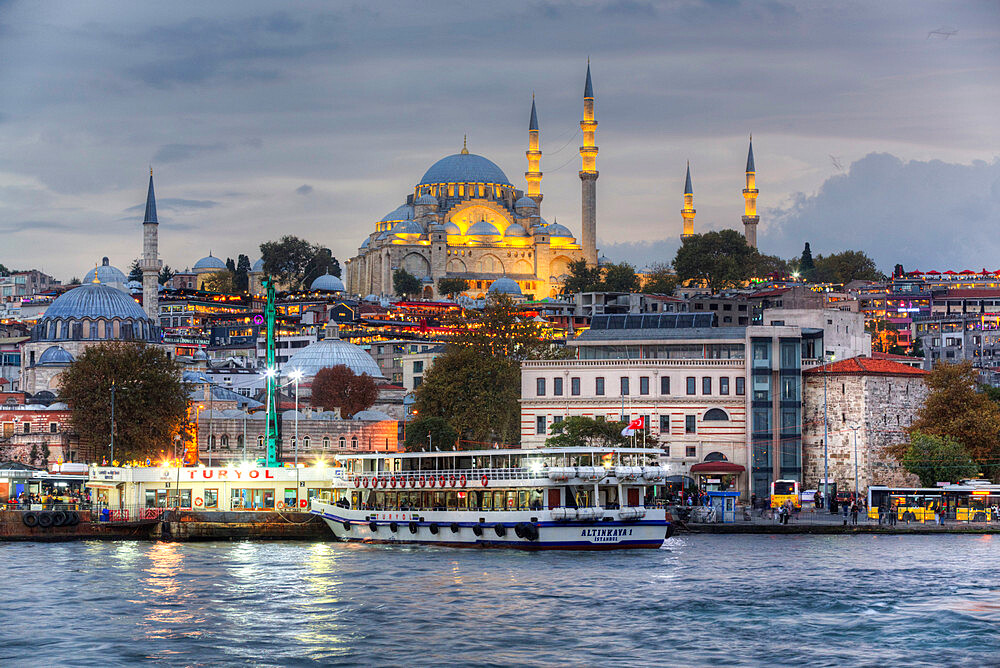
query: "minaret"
687, 213
750, 217
150, 264
588, 173
534, 155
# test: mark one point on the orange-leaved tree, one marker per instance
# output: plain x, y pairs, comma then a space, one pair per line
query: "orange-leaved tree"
339, 387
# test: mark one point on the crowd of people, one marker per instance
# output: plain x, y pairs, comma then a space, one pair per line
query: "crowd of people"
78, 498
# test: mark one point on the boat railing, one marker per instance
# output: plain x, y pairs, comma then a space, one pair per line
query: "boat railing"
515, 473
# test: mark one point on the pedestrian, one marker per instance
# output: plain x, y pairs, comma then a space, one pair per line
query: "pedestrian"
854, 513
753, 500
846, 509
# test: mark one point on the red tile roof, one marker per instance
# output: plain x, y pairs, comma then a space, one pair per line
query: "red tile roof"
866, 366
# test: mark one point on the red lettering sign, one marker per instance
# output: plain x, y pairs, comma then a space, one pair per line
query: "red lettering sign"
254, 474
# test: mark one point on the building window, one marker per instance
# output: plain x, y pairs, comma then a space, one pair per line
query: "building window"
706, 385
644, 385
418, 367
53, 427
354, 442
624, 384
599, 386
716, 414
557, 387
691, 451
306, 442
664, 424
690, 384
724, 385
665, 385
741, 386
260, 441
574, 386
540, 387
342, 443
27, 427
540, 425
556, 419
666, 450
689, 424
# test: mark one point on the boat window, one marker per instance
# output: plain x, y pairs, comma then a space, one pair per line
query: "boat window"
452, 502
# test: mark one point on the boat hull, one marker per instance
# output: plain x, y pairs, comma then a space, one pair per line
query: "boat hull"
489, 529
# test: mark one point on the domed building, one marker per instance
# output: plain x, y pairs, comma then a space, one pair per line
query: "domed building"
107, 275
327, 282
465, 219
208, 265
82, 317
329, 352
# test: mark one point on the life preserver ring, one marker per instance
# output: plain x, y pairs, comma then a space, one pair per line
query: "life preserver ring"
441, 481
280, 505
303, 503
357, 481
198, 501
451, 481
422, 481
392, 482
485, 480
462, 481
431, 481
413, 481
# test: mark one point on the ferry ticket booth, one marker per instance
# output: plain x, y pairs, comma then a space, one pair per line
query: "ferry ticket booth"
724, 504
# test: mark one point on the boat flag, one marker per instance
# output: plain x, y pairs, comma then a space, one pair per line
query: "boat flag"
632, 426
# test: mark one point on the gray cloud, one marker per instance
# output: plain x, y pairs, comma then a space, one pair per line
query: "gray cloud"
304, 189
178, 152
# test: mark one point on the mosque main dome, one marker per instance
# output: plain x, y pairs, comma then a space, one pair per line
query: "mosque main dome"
330, 352
95, 312
464, 168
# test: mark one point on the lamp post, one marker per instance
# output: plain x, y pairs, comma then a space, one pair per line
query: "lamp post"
855, 430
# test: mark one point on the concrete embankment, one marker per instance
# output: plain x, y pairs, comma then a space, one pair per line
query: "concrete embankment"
217, 525
76, 525
829, 528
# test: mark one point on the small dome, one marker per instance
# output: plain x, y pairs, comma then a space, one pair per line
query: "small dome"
58, 406
557, 230
327, 282
452, 229
525, 203
290, 414
133, 285
464, 168
515, 230
332, 351
407, 228
427, 199
200, 355
55, 356
504, 286
258, 266
371, 416
404, 212
372, 298
209, 263
106, 274
366, 242
483, 229
603, 260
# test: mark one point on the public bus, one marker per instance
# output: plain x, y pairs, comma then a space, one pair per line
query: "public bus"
786, 490
965, 501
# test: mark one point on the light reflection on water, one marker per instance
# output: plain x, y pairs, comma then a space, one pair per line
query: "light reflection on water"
752, 600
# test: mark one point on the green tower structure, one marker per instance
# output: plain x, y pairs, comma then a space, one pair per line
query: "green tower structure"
271, 374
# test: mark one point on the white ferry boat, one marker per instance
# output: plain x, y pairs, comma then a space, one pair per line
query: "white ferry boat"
541, 499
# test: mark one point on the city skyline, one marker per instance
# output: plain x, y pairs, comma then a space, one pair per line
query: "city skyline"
871, 133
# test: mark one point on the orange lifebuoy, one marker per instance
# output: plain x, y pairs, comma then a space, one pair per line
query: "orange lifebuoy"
462, 481
422, 481
198, 501
485, 480
303, 503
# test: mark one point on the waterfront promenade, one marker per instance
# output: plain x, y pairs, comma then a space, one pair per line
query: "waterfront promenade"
822, 521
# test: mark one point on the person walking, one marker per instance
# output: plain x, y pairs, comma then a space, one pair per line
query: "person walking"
846, 509
854, 513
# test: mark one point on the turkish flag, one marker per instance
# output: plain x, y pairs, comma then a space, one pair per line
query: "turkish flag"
632, 426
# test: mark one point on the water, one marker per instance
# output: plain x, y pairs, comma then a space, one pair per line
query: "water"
733, 600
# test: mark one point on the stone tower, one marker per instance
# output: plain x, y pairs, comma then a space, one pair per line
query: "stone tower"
750, 217
533, 176
687, 213
588, 174
150, 264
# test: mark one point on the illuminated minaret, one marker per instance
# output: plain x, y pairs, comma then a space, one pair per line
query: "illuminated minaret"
534, 155
588, 173
750, 217
687, 213
150, 264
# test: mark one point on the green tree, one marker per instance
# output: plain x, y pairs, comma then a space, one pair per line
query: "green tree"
955, 408
321, 263
287, 259
936, 459
339, 387
661, 280
405, 284
166, 273
150, 399
231, 265
807, 267
429, 434
917, 349
580, 431
219, 281
135, 271
845, 267
766, 265
721, 259
501, 330
4, 271
620, 277
74, 281
452, 286
582, 278
241, 278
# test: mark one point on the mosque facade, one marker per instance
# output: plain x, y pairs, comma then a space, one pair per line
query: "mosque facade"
465, 219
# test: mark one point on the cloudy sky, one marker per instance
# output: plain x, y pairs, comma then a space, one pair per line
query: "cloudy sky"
875, 124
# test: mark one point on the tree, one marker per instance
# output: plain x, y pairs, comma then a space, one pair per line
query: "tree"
936, 459
241, 278
452, 286
429, 433
620, 277
917, 349
150, 399
661, 280
956, 409
321, 263
231, 265
807, 268
769, 265
135, 271
286, 259
4, 271
339, 387
579, 431
582, 278
845, 267
74, 281
219, 281
166, 273
720, 259
405, 284
501, 330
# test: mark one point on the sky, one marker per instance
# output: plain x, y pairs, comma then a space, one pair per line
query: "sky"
874, 124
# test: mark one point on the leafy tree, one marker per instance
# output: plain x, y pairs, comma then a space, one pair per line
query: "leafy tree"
721, 259
241, 277
321, 263
339, 387
231, 265
405, 284
150, 399
620, 277
4, 271
845, 267
452, 286
807, 267
501, 330
956, 409
74, 281
660, 281
767, 265
580, 431
219, 281
135, 271
442, 436
936, 459
582, 278
287, 260
166, 273
917, 349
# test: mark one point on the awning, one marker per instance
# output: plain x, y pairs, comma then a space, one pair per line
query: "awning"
722, 468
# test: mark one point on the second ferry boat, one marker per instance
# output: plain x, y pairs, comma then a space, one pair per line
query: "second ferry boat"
541, 499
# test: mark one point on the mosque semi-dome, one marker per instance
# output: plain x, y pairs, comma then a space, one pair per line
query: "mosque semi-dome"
330, 352
515, 230
106, 273
210, 263
483, 229
557, 230
404, 212
525, 203
55, 356
464, 168
407, 228
452, 228
327, 282
504, 286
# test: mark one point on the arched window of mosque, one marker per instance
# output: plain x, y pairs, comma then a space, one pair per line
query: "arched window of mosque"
101, 329
86, 329
480, 190
451, 191
715, 414
326, 442
342, 443
225, 440
461, 190
239, 441
260, 441
116, 329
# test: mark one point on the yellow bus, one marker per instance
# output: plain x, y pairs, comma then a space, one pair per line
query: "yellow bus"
786, 490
